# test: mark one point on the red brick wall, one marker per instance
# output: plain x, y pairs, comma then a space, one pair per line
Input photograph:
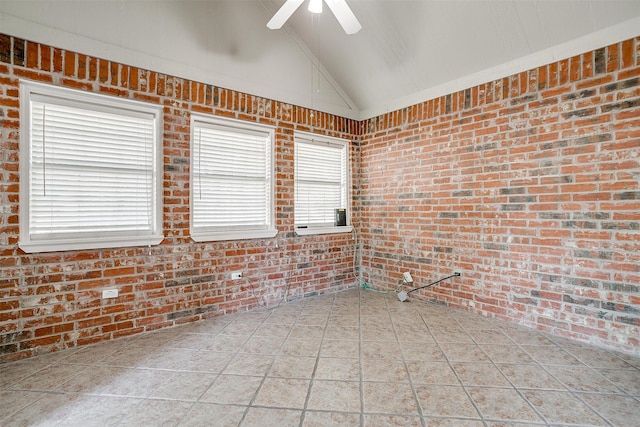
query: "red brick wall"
528, 186
51, 301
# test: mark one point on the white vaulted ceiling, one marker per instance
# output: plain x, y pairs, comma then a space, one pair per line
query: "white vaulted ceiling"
406, 52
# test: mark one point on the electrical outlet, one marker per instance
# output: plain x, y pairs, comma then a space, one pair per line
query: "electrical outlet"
109, 293
407, 277
236, 275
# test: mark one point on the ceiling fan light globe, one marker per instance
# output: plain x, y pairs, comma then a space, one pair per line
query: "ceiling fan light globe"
315, 6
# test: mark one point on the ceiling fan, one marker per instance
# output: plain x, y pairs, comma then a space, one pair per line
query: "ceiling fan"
340, 9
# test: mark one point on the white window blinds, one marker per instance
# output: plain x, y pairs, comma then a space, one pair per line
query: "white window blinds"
92, 172
232, 179
320, 181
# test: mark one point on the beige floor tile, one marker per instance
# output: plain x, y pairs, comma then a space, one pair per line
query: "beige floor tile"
283, 320
261, 417
301, 347
492, 336
331, 368
14, 400
385, 370
98, 411
190, 341
445, 401
134, 382
631, 360
92, 354
54, 357
206, 327
582, 379
389, 398
282, 393
93, 380
420, 352
598, 358
528, 337
506, 354
204, 414
232, 390
312, 319
530, 376
562, 408
372, 333
307, 332
550, 355
249, 364
371, 420
50, 377
225, 343
292, 367
380, 350
348, 305
342, 333
273, 330
479, 374
340, 348
628, 380
183, 385
152, 413
425, 372
456, 422
451, 335
348, 320
11, 373
262, 345
330, 419
460, 352
240, 328
207, 361
126, 357
502, 404
155, 339
415, 336
620, 410
516, 424
169, 358
335, 396
470, 322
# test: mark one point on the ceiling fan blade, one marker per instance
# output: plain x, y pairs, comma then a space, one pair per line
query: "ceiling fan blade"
344, 15
283, 14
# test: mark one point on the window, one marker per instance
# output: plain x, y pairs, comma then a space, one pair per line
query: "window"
89, 170
231, 179
321, 183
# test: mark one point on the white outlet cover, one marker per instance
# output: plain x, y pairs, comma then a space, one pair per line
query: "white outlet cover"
109, 293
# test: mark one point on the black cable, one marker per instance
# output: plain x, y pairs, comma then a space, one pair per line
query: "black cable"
434, 283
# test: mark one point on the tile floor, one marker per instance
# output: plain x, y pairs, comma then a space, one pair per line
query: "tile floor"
347, 359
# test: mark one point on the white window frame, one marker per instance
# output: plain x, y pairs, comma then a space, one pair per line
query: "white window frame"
328, 228
229, 232
31, 92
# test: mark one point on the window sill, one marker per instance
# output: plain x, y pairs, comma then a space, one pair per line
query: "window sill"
233, 235
324, 230
31, 247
